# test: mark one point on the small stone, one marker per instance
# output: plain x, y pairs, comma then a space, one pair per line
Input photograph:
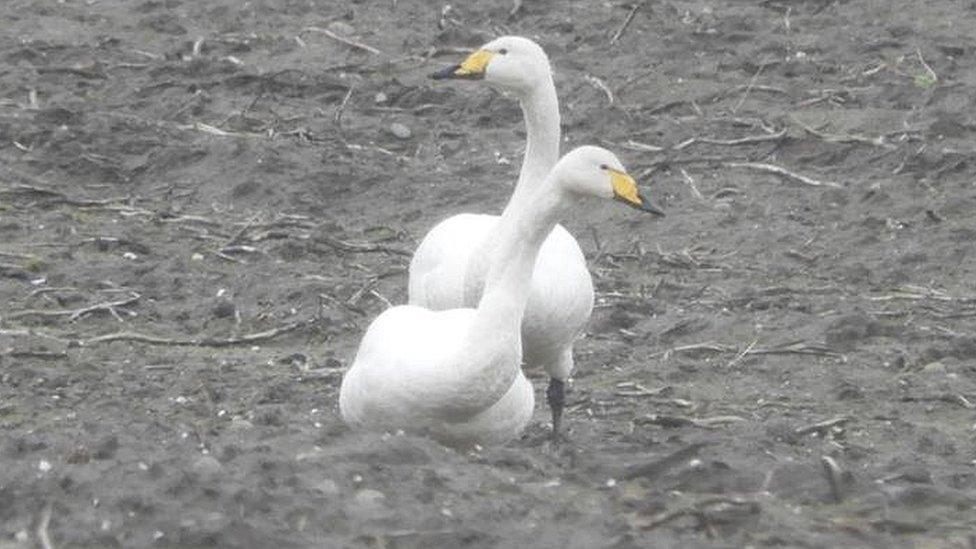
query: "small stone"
379, 98
934, 368
369, 504
224, 308
400, 130
328, 487
197, 256
44, 466
239, 424
368, 496
341, 28
79, 454
206, 466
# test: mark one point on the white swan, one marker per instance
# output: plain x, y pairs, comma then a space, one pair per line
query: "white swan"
456, 374
449, 267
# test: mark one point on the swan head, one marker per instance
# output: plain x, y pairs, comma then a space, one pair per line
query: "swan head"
511, 63
595, 171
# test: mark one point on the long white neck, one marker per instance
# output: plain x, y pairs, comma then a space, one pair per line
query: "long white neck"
521, 231
540, 108
491, 356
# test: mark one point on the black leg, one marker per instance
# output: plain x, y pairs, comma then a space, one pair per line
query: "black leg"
556, 396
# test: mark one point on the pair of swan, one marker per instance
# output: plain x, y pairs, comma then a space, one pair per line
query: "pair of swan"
487, 292
448, 269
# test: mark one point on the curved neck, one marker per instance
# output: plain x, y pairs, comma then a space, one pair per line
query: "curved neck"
491, 357
540, 108
521, 232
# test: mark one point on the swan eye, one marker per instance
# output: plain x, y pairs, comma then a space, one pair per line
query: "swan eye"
604, 167
503, 51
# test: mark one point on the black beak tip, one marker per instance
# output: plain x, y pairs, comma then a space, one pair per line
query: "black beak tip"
446, 73
650, 208
654, 210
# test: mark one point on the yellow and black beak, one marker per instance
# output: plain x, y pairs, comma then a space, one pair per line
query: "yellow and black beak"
625, 190
472, 68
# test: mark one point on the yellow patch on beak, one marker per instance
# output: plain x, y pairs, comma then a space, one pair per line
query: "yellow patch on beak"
476, 64
625, 188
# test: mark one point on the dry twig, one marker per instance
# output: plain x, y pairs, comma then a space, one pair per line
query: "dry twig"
770, 168
630, 18
75, 314
359, 247
341, 108
673, 422
732, 142
59, 197
516, 8
823, 426
843, 138
602, 86
744, 352
640, 390
928, 69
42, 525
749, 87
691, 184
698, 510
43, 355
16, 255
833, 472
658, 466
344, 40
951, 398
247, 339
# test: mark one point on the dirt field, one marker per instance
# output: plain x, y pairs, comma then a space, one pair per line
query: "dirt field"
203, 204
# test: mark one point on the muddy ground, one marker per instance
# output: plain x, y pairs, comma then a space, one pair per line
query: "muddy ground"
230, 195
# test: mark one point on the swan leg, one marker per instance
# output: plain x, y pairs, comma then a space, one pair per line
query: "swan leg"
556, 397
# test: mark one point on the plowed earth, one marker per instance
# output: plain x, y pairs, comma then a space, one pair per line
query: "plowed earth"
786, 359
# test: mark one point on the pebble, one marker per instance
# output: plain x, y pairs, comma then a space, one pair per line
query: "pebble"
934, 368
224, 308
379, 98
328, 487
369, 504
239, 424
341, 28
400, 130
206, 466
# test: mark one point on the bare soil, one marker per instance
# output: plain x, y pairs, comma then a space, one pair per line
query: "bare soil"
230, 196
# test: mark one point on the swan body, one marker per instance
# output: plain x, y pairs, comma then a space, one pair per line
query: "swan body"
560, 299
421, 388
456, 374
448, 268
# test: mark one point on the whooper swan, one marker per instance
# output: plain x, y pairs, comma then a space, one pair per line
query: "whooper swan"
456, 374
449, 267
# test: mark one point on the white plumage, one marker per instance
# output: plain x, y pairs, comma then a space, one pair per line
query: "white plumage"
448, 269
456, 374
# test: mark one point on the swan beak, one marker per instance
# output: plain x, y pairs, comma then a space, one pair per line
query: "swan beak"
625, 190
472, 68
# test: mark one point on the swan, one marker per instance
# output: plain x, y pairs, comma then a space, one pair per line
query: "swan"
456, 374
449, 267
